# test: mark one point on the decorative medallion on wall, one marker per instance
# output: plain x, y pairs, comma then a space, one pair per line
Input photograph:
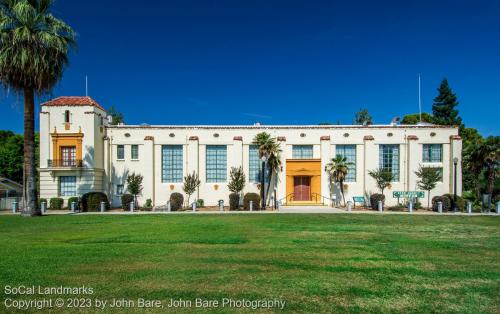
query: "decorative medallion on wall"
216, 134
389, 134
172, 186
127, 134
433, 134
216, 187
346, 134
171, 135
302, 134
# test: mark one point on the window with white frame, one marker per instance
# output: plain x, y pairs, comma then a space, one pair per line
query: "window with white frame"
172, 160
255, 165
389, 159
67, 186
119, 189
432, 153
349, 152
302, 151
216, 163
134, 151
120, 152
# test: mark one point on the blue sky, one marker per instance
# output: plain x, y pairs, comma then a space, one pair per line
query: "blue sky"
279, 62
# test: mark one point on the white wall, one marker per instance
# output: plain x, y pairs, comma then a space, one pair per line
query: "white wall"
100, 143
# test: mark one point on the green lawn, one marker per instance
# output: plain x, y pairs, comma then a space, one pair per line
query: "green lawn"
316, 263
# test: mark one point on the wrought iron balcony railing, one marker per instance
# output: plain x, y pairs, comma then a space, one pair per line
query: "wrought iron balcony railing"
73, 163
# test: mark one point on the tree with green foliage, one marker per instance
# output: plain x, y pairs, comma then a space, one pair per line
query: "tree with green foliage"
427, 180
116, 117
134, 185
191, 183
383, 178
269, 148
34, 50
471, 181
444, 107
414, 118
362, 117
11, 156
484, 156
237, 180
337, 170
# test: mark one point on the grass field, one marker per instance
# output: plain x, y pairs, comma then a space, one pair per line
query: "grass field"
316, 263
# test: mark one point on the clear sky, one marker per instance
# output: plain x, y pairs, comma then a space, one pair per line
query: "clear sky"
279, 62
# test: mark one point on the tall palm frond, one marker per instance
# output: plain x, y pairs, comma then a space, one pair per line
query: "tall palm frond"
338, 169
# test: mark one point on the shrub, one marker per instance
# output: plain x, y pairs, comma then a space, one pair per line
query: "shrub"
56, 203
40, 200
251, 197
200, 203
91, 202
176, 201
126, 199
71, 200
234, 201
460, 202
374, 198
446, 203
417, 204
148, 204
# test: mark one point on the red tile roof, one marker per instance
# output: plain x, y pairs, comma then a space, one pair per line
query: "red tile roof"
73, 101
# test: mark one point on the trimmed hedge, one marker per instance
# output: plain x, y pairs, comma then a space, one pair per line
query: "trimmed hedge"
234, 201
126, 199
176, 201
446, 203
460, 202
71, 200
374, 198
91, 202
56, 203
251, 197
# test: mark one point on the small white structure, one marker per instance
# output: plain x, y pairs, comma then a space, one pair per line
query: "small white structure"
81, 152
10, 192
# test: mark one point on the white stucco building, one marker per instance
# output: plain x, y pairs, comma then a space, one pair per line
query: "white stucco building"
81, 152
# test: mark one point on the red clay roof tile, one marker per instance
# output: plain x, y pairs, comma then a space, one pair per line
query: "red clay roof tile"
73, 101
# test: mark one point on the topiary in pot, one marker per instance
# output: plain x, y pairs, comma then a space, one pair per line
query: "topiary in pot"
176, 201
71, 200
56, 203
126, 199
200, 203
374, 198
42, 200
234, 201
251, 197
444, 199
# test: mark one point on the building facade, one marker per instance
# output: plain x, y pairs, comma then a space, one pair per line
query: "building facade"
81, 152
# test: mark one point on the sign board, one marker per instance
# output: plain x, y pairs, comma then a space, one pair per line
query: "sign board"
408, 194
359, 199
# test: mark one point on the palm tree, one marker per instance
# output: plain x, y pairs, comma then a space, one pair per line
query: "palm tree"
484, 155
337, 170
34, 48
269, 148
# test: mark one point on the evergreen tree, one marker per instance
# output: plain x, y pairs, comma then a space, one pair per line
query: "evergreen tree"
117, 117
414, 118
362, 117
444, 106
